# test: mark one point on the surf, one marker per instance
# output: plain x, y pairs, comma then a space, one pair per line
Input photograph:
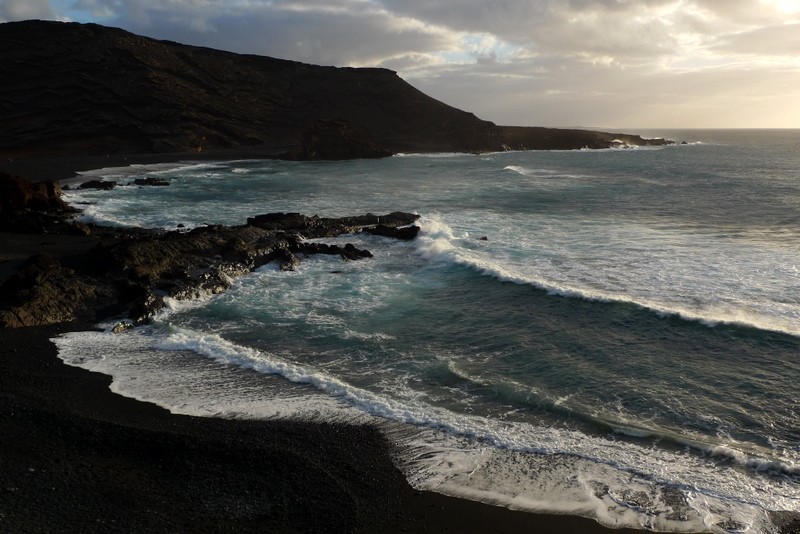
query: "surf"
457, 454
438, 242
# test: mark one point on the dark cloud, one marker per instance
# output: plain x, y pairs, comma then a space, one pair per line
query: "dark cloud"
338, 32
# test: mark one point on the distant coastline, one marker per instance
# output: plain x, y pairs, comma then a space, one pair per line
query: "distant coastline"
84, 90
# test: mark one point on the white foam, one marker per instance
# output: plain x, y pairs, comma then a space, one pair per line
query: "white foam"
184, 384
140, 169
518, 169
705, 284
373, 336
547, 177
514, 464
438, 242
686, 494
432, 155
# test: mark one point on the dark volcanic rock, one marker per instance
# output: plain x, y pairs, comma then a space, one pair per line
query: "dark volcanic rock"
98, 184
15, 193
536, 138
287, 260
129, 272
35, 208
47, 197
88, 90
280, 221
42, 292
18, 194
34, 222
314, 226
406, 233
348, 252
336, 140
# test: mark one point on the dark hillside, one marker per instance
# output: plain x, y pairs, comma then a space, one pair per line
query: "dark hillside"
85, 89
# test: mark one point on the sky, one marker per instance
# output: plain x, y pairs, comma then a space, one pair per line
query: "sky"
590, 63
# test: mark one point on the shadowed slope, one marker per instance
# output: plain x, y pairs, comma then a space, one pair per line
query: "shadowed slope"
85, 89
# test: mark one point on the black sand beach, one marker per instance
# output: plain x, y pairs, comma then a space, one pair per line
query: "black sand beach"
76, 457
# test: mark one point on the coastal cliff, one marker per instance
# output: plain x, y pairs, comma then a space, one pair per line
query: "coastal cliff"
85, 89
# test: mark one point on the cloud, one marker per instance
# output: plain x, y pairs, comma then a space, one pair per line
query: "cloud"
346, 37
562, 27
11, 10
580, 95
550, 62
783, 40
371, 32
341, 32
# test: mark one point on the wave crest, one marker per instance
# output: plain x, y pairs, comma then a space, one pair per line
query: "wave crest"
439, 242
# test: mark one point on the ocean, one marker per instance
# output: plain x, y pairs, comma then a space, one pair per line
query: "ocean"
613, 334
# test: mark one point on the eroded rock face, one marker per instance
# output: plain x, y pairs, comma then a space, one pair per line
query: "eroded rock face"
15, 193
43, 292
18, 194
98, 184
336, 140
406, 233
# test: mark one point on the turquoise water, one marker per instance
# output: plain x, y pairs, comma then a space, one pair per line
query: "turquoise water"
623, 345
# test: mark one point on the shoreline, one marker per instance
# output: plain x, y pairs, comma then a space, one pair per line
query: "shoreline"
79, 457
67, 167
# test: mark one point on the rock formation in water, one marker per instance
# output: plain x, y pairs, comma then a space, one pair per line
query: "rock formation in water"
129, 272
84, 89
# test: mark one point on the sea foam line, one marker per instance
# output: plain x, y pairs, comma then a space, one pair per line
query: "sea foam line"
437, 242
541, 440
713, 489
658, 467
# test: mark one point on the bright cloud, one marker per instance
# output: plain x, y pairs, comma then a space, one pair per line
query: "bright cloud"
620, 63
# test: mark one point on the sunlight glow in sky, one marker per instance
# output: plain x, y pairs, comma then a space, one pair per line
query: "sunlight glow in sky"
604, 63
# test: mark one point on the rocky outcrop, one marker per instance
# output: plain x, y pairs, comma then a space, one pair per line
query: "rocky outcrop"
335, 140
43, 292
35, 208
535, 138
74, 89
314, 226
18, 194
347, 252
130, 272
98, 184
405, 233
